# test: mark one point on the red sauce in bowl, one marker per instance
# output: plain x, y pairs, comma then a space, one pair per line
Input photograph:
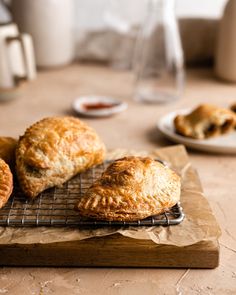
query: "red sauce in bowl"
98, 106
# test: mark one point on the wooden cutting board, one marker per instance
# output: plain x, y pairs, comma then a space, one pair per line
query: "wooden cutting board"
111, 251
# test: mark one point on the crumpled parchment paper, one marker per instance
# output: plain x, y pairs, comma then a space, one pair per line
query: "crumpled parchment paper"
199, 223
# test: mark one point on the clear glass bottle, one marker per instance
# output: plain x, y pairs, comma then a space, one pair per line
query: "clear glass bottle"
158, 58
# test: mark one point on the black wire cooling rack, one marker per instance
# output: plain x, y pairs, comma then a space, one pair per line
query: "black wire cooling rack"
55, 207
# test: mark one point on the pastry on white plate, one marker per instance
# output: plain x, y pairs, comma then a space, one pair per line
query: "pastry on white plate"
205, 121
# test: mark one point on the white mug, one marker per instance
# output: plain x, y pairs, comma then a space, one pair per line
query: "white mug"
16, 56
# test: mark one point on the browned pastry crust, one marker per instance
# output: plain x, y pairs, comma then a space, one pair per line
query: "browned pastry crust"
130, 189
205, 121
6, 183
53, 150
7, 150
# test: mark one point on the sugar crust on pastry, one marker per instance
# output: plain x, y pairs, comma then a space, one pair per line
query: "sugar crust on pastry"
7, 150
205, 121
130, 189
53, 150
6, 182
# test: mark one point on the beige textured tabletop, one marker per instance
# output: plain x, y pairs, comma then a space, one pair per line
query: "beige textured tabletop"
52, 93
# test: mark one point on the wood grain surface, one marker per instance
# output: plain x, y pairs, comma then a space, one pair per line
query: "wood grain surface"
111, 251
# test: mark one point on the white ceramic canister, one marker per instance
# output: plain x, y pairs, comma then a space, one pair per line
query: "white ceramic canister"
50, 23
225, 59
8, 30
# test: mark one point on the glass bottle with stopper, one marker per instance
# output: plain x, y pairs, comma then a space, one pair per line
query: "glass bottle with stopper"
158, 58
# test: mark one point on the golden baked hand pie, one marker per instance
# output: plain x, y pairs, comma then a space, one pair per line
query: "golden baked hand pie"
205, 121
130, 189
8, 149
53, 150
6, 183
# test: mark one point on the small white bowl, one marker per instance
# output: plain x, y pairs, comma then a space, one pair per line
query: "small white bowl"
98, 106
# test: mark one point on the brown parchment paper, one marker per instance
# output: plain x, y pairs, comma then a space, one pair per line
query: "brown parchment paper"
199, 223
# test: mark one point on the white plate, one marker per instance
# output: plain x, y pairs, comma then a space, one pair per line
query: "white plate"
221, 144
78, 106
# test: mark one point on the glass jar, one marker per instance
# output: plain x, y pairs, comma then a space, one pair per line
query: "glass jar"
158, 58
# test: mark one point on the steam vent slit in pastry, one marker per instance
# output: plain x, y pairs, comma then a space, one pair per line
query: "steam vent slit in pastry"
205, 121
53, 150
130, 189
6, 183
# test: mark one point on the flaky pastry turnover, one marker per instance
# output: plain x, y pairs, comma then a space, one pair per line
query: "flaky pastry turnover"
130, 189
6, 182
8, 149
205, 121
53, 150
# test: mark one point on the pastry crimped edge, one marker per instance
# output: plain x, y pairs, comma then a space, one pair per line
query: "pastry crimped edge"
35, 186
6, 183
164, 201
207, 115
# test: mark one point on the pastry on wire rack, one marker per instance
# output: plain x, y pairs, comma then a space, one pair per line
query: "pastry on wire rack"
130, 189
7, 150
205, 121
6, 183
53, 150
